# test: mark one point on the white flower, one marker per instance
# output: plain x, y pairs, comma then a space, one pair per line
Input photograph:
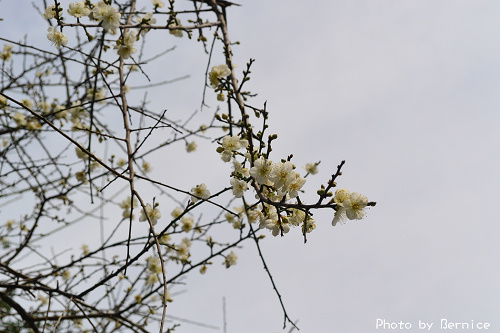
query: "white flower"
261, 170
176, 32
218, 72
176, 212
254, 215
296, 185
238, 168
50, 12
147, 19
282, 174
354, 206
311, 168
239, 186
127, 204
19, 118
309, 226
340, 214
56, 37
187, 223
3, 102
126, 48
200, 191
153, 213
341, 195
154, 265
80, 153
28, 103
275, 226
158, 3
78, 9
6, 54
191, 146
230, 144
108, 15
297, 217
231, 259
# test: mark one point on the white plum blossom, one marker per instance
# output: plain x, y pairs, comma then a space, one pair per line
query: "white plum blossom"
230, 259
254, 215
309, 225
108, 15
146, 20
176, 212
261, 170
276, 225
127, 204
354, 206
126, 48
200, 191
297, 217
239, 186
311, 168
6, 54
158, 3
238, 168
218, 72
78, 9
56, 37
176, 32
282, 174
296, 185
191, 146
154, 265
19, 118
50, 12
340, 196
153, 213
187, 223
229, 145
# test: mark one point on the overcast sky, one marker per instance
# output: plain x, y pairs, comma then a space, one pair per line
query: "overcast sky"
407, 93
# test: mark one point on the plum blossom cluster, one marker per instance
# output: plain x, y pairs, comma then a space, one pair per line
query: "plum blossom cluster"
349, 206
109, 18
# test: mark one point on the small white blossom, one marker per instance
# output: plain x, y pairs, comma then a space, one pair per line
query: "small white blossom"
56, 37
231, 259
127, 204
108, 15
191, 146
239, 186
176, 32
187, 223
311, 168
176, 212
218, 72
229, 145
153, 213
50, 12
340, 214
126, 48
78, 9
354, 206
146, 20
19, 118
261, 170
6, 54
200, 191
154, 265
275, 226
282, 174
296, 185
158, 3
